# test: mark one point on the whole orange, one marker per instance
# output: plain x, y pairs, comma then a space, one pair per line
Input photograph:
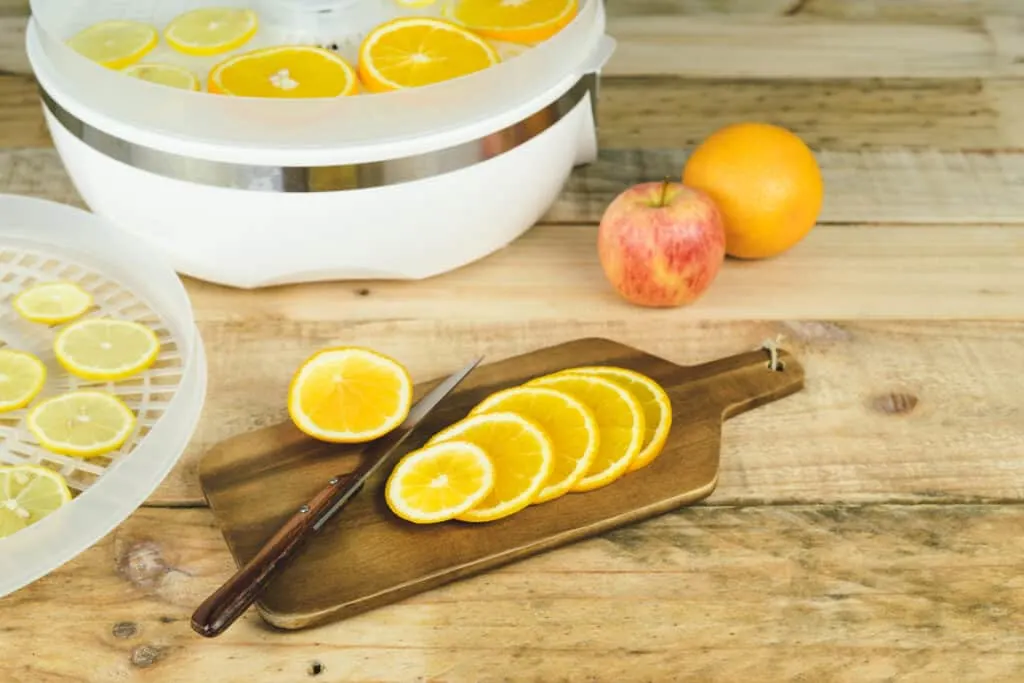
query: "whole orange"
766, 183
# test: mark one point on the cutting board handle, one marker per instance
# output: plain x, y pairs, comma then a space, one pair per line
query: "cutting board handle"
734, 385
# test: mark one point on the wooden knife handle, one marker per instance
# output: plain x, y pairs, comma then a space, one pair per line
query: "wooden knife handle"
231, 600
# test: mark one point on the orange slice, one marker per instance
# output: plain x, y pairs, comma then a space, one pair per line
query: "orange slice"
349, 395
522, 455
655, 402
291, 71
439, 482
570, 425
417, 51
517, 21
620, 419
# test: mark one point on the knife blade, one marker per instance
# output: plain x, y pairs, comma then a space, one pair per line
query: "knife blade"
231, 600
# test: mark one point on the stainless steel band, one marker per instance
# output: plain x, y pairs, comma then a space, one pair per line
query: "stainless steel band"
325, 178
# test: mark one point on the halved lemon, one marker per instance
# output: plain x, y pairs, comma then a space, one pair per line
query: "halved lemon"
522, 455
52, 303
22, 377
27, 494
569, 424
211, 30
83, 423
620, 419
656, 404
349, 394
415, 51
440, 482
291, 71
171, 75
105, 348
115, 44
517, 21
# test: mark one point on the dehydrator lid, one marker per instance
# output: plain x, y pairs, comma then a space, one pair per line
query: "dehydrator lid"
105, 95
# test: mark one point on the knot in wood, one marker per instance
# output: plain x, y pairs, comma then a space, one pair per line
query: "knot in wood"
146, 655
894, 403
142, 564
125, 629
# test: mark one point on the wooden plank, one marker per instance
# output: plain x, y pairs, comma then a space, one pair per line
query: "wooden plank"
672, 112
888, 11
13, 59
893, 410
904, 186
837, 115
912, 11
753, 46
14, 8
898, 185
900, 272
858, 595
21, 116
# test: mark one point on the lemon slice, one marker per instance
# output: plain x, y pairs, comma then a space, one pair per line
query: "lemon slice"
289, 71
171, 75
417, 51
115, 44
83, 423
349, 395
105, 348
620, 419
522, 455
52, 302
439, 482
22, 377
211, 30
569, 424
415, 4
655, 402
27, 494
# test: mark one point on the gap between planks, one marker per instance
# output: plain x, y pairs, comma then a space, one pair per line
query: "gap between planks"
858, 595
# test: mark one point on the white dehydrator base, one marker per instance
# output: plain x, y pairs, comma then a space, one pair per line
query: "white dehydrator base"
414, 230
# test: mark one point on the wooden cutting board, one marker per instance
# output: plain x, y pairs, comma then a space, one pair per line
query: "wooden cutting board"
366, 557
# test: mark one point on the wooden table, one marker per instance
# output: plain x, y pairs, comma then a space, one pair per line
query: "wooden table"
866, 529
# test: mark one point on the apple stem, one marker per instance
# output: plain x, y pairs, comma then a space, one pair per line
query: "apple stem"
664, 191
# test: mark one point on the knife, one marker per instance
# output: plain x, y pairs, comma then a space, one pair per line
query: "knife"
231, 600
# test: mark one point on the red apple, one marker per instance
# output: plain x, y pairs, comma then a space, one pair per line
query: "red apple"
661, 244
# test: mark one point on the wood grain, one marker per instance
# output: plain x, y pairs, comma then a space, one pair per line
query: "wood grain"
895, 186
893, 410
709, 594
831, 115
900, 11
837, 273
752, 46
367, 557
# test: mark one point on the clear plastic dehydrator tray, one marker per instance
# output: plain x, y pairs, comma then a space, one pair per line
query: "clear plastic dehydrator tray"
364, 119
43, 242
